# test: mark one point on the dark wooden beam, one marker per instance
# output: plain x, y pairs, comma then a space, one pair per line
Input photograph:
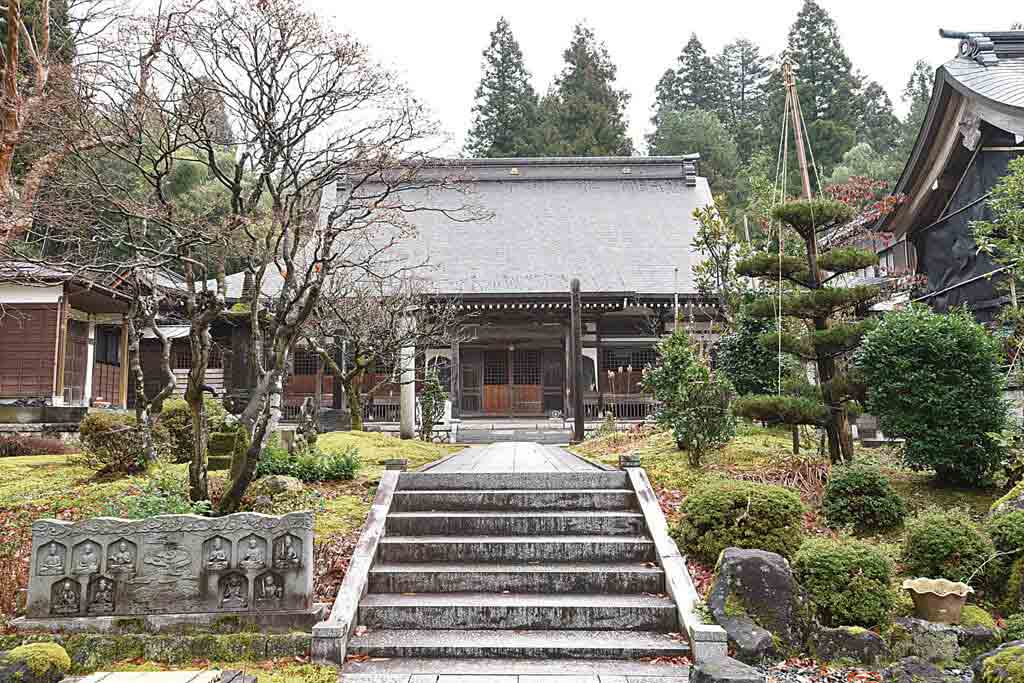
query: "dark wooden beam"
576, 313
456, 387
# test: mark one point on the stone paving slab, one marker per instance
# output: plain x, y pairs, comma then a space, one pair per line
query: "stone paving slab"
151, 677
513, 456
498, 678
405, 670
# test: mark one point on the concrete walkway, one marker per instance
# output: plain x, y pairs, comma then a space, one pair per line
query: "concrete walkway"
513, 456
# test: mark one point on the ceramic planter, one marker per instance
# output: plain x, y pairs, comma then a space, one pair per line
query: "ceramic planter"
938, 600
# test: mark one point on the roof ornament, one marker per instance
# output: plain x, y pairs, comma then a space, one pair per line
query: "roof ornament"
977, 46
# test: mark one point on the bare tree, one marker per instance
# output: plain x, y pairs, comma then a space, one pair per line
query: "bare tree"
368, 322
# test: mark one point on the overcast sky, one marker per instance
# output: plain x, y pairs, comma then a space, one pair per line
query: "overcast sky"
437, 45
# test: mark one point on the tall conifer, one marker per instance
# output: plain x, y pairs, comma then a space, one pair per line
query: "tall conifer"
690, 83
505, 115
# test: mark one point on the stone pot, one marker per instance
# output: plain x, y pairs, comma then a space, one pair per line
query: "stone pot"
938, 600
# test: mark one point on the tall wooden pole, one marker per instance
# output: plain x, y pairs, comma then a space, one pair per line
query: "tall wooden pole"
794, 102
576, 319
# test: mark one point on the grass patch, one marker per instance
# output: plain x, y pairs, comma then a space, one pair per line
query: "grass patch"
374, 447
271, 671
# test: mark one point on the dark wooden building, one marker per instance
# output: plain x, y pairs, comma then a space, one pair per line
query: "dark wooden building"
973, 128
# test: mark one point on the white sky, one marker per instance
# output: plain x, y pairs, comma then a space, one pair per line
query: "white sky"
437, 45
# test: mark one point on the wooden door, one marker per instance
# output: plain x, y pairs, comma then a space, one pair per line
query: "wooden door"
527, 391
75, 360
472, 380
496, 395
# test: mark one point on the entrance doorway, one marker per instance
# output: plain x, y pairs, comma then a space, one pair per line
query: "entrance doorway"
512, 381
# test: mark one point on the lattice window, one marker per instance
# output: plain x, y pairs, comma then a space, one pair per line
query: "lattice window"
496, 368
108, 345
304, 362
637, 357
526, 367
181, 357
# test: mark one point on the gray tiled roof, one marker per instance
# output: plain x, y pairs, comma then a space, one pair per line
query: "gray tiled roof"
584, 218
1002, 83
618, 224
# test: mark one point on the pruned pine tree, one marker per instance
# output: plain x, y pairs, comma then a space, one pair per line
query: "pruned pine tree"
505, 115
825, 308
584, 114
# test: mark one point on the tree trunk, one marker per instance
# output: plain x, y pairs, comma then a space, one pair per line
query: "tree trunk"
355, 404
199, 341
796, 439
266, 423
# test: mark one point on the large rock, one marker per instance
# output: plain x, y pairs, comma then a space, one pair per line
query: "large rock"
723, 670
849, 642
912, 670
756, 600
35, 663
1011, 502
912, 637
1005, 663
276, 485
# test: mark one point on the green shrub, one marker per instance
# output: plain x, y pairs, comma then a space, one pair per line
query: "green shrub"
860, 496
752, 367
111, 444
1007, 534
849, 581
740, 514
945, 544
164, 492
313, 465
176, 419
221, 443
1013, 628
694, 401
972, 616
935, 380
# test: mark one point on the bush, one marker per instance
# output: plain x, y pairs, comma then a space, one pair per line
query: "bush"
849, 581
746, 362
861, 497
740, 514
176, 420
941, 544
313, 465
935, 380
15, 446
111, 443
1013, 628
694, 401
162, 493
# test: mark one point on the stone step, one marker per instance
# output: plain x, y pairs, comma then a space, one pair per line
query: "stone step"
533, 523
573, 577
448, 481
515, 549
518, 611
380, 669
511, 500
518, 644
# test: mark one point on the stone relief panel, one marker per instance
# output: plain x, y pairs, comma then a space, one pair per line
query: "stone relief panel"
101, 596
51, 560
121, 556
171, 564
252, 552
85, 558
65, 597
217, 554
234, 591
287, 552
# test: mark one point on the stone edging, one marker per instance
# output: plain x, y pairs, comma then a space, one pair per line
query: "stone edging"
707, 641
330, 637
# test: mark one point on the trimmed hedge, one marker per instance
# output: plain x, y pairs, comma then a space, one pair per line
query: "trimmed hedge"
861, 497
111, 443
945, 544
740, 514
176, 419
849, 581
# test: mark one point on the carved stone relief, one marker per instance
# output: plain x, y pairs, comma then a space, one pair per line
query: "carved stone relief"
65, 597
51, 560
287, 552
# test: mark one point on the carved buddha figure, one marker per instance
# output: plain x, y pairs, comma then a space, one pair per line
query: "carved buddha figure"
269, 590
234, 593
218, 557
103, 598
89, 561
53, 561
287, 556
122, 559
253, 558
67, 599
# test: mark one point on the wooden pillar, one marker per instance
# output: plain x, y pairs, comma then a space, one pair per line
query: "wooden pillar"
407, 396
456, 388
63, 314
576, 317
122, 390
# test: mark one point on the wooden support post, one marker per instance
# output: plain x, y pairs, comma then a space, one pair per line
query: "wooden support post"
63, 309
123, 376
456, 388
576, 318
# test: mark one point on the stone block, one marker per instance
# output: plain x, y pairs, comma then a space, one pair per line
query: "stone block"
930, 641
724, 670
849, 642
240, 564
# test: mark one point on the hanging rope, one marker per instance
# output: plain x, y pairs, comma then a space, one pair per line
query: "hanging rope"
778, 196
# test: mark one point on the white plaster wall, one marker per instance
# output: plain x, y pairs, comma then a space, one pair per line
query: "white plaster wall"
28, 294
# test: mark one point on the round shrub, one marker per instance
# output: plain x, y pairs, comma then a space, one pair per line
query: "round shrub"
111, 443
945, 544
860, 496
935, 380
1014, 628
176, 420
740, 514
849, 581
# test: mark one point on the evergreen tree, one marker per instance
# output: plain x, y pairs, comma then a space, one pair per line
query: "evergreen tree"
691, 84
584, 115
505, 115
879, 127
696, 130
918, 93
740, 75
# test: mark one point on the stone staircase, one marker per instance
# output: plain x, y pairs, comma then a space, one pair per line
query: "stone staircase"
554, 566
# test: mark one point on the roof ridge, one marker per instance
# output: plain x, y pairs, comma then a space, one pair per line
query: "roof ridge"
988, 47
